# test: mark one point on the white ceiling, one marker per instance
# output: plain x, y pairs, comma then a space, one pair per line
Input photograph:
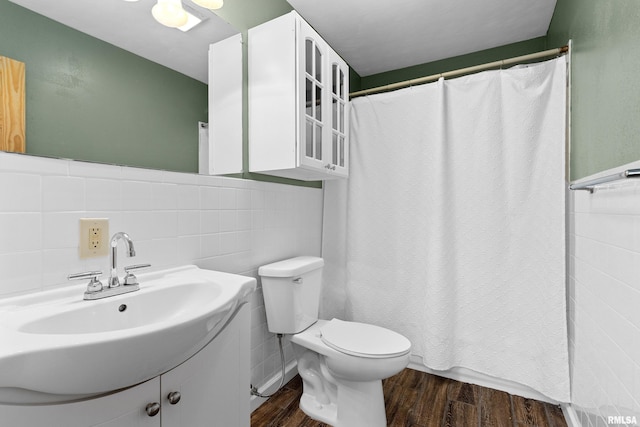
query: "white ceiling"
374, 36
130, 26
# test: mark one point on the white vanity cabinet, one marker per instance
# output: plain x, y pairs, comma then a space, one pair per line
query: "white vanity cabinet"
214, 385
213, 389
126, 408
298, 102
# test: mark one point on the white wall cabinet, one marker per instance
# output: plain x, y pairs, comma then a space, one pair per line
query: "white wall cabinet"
213, 389
298, 102
221, 151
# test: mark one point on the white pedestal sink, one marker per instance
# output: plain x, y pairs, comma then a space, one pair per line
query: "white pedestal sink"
57, 347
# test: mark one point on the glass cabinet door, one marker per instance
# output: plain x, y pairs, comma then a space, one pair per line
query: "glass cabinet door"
339, 150
323, 116
314, 133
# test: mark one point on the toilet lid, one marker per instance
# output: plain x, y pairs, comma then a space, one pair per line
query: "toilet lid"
363, 340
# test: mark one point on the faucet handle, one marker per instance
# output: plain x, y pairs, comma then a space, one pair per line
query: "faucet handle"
94, 285
130, 279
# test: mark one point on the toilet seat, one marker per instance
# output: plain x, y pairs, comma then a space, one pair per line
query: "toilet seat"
363, 340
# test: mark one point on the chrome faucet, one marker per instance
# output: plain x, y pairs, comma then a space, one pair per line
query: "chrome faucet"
95, 289
114, 282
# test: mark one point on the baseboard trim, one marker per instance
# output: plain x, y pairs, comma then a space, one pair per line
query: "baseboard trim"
271, 386
473, 377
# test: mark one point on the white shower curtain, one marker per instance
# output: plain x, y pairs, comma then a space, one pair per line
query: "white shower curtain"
450, 229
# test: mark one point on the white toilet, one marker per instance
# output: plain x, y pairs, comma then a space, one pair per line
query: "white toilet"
342, 364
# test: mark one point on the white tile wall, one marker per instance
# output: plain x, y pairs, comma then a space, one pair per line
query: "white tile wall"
604, 302
219, 223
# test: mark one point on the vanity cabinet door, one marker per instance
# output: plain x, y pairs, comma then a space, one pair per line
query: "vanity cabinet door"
212, 388
124, 409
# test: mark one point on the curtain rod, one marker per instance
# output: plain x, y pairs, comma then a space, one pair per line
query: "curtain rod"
496, 64
592, 183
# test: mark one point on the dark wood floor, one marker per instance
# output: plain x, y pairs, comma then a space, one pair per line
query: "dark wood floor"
417, 399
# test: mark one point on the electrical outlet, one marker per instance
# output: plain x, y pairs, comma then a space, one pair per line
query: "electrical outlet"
94, 233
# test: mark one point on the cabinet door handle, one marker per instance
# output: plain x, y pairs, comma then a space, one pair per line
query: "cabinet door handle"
174, 397
152, 409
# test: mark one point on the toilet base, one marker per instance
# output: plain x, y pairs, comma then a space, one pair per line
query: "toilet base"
326, 413
338, 389
339, 402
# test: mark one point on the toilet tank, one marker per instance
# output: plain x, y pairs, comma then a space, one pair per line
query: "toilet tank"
291, 290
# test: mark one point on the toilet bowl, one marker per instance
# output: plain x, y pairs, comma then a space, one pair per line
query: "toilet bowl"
345, 389
341, 363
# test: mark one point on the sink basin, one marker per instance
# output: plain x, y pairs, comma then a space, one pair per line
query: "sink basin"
57, 347
138, 310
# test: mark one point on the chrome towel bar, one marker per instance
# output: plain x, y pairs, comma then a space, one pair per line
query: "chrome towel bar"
591, 184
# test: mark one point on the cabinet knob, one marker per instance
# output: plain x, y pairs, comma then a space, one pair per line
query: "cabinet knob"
152, 409
174, 397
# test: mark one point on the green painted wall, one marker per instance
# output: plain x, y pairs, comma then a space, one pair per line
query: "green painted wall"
89, 100
605, 85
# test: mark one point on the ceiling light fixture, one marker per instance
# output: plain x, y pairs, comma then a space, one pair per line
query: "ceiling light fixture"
210, 4
170, 13
194, 18
192, 21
